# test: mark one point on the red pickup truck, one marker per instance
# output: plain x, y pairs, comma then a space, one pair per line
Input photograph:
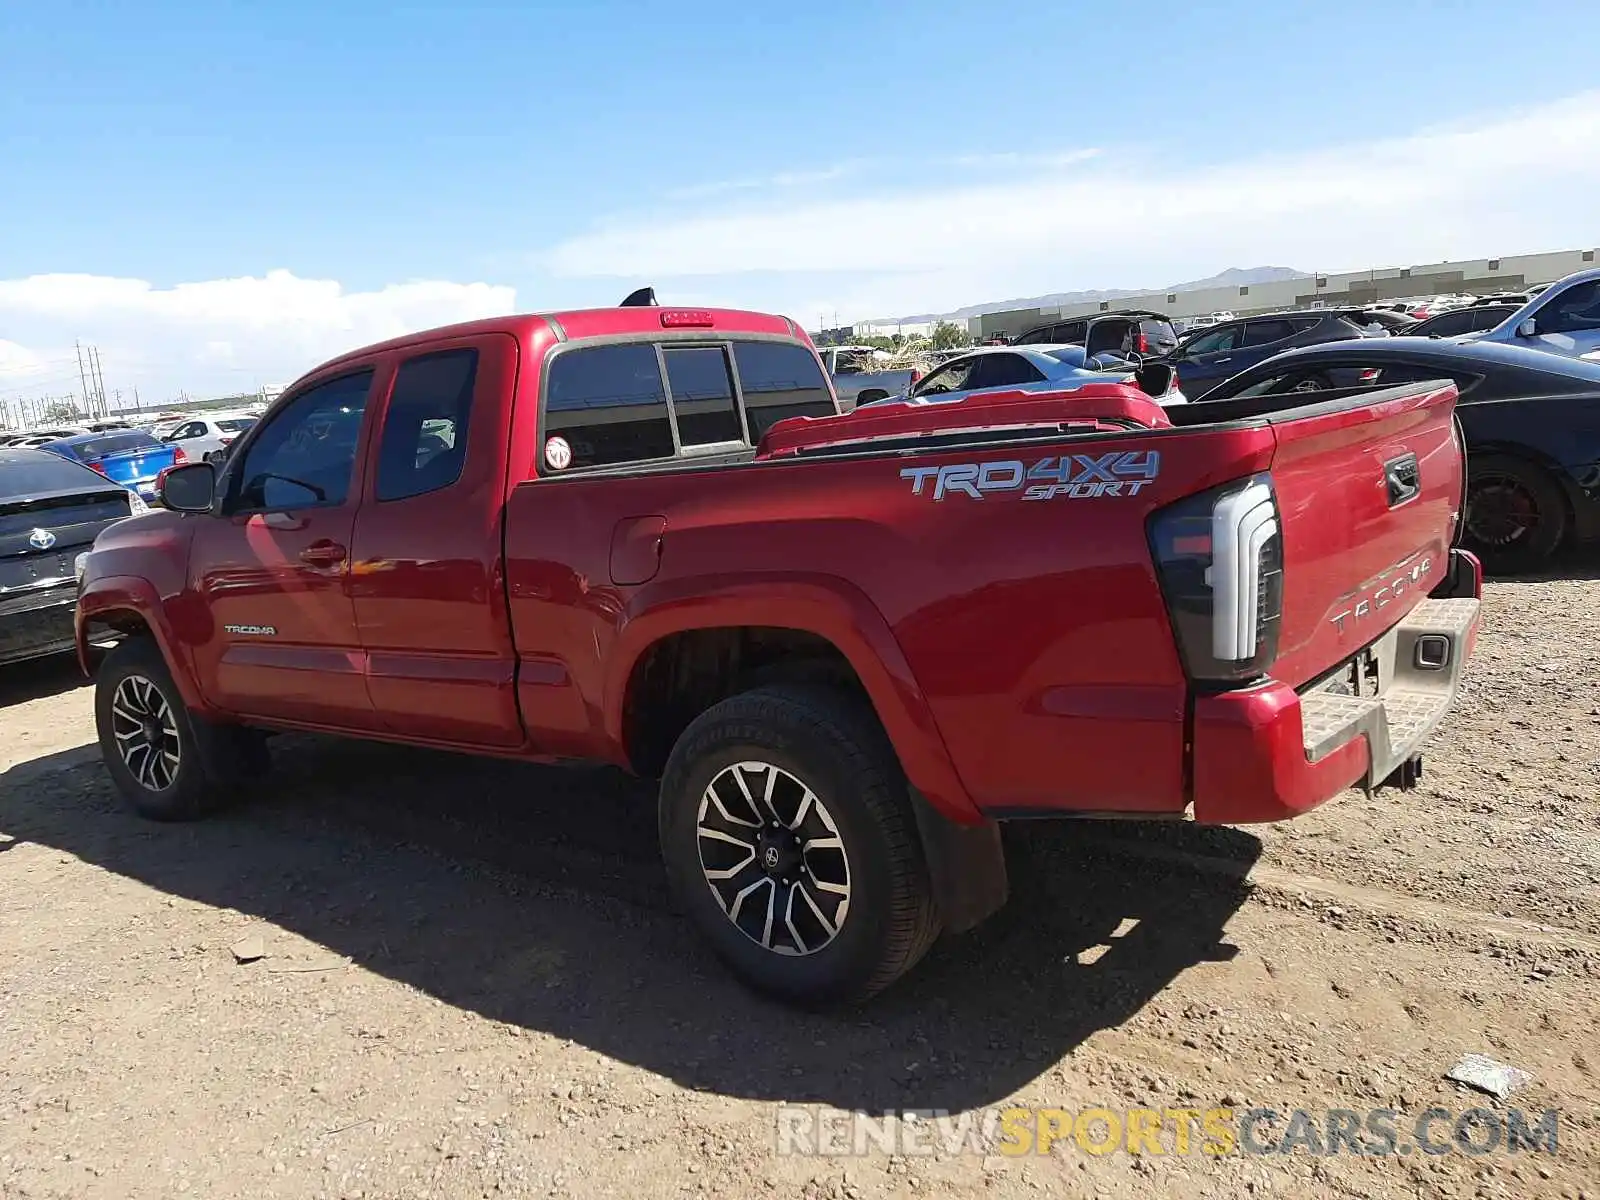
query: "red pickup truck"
847, 645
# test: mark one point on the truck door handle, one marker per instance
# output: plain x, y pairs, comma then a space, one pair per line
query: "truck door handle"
1401, 479
323, 554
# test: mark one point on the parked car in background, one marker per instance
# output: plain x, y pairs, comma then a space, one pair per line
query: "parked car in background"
1515, 299
51, 510
1475, 318
1028, 368
1204, 361
1386, 320
1126, 333
129, 457
858, 378
1529, 419
204, 439
34, 438
1562, 319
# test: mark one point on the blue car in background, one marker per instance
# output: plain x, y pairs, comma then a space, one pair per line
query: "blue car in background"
1028, 369
130, 457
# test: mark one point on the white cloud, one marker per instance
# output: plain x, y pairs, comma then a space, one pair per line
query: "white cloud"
213, 337
1514, 182
784, 179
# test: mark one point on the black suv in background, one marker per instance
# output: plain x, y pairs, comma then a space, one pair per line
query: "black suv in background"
1122, 333
1221, 352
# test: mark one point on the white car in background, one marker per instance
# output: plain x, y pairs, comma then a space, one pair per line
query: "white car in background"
205, 439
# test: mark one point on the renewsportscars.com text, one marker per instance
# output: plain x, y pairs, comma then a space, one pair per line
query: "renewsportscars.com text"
1021, 1131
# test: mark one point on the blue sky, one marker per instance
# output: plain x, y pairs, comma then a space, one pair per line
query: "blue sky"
865, 159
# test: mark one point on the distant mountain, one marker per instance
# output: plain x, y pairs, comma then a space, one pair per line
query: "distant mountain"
1232, 277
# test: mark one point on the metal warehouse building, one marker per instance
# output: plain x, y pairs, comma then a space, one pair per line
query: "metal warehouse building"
1478, 275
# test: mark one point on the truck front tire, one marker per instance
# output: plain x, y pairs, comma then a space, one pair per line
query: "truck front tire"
168, 765
789, 838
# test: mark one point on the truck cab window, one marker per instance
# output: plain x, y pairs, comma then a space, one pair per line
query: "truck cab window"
306, 454
702, 396
424, 444
608, 403
779, 380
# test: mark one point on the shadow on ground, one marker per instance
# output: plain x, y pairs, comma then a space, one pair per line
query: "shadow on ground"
1582, 562
39, 678
533, 896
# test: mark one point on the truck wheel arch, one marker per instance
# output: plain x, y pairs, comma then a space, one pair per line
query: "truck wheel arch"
832, 614
131, 605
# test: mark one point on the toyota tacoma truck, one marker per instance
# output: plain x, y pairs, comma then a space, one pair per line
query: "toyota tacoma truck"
847, 645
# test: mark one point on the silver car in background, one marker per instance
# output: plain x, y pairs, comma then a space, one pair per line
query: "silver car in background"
1563, 318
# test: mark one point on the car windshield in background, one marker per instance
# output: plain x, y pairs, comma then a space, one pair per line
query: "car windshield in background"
91, 449
236, 424
25, 473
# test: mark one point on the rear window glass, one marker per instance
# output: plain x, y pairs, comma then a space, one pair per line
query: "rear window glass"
236, 424
702, 396
112, 443
779, 380
32, 472
609, 405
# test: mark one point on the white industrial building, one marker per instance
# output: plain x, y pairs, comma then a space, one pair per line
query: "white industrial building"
1479, 276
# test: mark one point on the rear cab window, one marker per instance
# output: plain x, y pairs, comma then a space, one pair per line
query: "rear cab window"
424, 442
613, 405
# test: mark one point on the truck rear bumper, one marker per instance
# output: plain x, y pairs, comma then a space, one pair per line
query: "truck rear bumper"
1269, 752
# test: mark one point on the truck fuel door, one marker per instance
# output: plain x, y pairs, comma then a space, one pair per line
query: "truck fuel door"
636, 545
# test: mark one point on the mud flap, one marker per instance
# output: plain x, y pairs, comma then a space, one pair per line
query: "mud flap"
966, 866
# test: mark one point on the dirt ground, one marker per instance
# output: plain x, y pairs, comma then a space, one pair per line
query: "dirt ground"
471, 986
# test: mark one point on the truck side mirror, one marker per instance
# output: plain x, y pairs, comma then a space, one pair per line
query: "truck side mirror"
1528, 328
189, 488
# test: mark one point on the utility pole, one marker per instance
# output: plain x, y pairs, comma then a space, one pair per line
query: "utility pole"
100, 381
82, 378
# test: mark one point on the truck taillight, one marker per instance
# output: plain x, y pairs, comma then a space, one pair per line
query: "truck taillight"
1369, 375
1141, 344
100, 467
1219, 556
178, 456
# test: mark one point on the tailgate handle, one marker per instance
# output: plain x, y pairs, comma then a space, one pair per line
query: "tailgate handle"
1400, 477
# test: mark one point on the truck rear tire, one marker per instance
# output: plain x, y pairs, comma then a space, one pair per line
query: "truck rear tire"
163, 761
789, 838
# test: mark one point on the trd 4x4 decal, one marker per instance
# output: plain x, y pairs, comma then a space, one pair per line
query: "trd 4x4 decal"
1069, 477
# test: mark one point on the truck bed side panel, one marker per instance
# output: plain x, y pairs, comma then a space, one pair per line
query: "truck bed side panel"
1033, 628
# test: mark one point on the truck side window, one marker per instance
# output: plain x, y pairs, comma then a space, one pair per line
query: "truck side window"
305, 455
779, 380
608, 403
424, 444
702, 396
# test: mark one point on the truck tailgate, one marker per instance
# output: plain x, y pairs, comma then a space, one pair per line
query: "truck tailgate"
1369, 500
